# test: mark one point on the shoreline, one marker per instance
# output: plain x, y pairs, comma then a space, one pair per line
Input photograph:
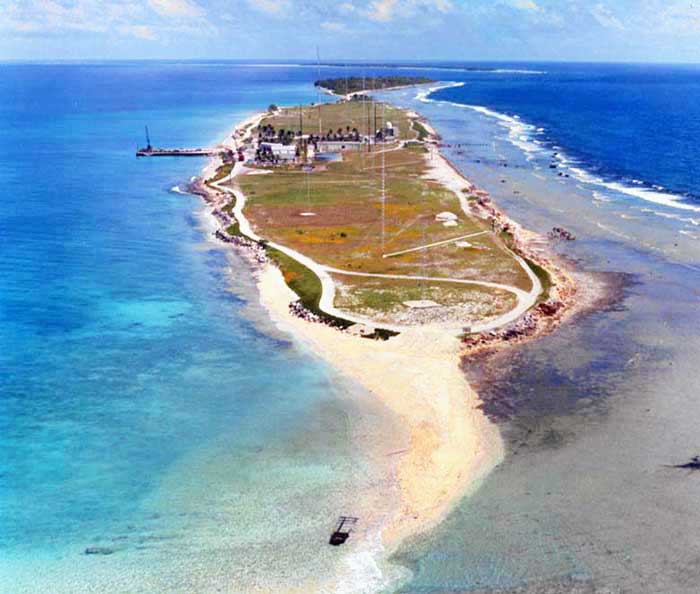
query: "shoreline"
452, 444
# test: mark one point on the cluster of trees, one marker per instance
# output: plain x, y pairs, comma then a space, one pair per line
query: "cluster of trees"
353, 84
349, 134
268, 133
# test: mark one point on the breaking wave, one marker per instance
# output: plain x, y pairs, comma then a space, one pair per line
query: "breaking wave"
524, 136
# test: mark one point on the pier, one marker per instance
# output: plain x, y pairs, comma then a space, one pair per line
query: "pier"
149, 151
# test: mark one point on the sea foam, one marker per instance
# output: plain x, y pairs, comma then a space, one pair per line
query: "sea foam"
520, 135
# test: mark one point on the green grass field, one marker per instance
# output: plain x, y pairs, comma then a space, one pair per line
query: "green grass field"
383, 299
351, 229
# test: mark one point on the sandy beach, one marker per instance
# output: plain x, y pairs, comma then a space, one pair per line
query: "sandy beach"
452, 444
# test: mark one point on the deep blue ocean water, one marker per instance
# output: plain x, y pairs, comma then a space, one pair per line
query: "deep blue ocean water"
632, 124
135, 383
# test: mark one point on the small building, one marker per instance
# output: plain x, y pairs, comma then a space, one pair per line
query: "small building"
445, 217
283, 152
335, 146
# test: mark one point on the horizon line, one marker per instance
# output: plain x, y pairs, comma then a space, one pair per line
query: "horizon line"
337, 62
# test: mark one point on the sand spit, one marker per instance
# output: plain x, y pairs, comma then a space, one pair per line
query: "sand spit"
416, 375
451, 444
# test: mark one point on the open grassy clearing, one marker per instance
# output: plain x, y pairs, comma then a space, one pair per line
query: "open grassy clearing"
334, 215
346, 229
383, 300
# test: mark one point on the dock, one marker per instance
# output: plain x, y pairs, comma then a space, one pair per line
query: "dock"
150, 151
177, 152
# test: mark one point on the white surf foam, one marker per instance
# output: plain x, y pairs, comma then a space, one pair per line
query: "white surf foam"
423, 95
520, 135
651, 195
177, 190
366, 571
677, 217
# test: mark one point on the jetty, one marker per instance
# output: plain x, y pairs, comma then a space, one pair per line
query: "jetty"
150, 151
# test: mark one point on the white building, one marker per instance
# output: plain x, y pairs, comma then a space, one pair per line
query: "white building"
445, 217
284, 152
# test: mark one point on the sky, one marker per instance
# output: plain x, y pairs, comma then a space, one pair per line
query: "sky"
468, 30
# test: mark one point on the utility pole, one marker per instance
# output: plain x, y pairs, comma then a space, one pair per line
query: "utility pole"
383, 200
318, 89
369, 126
423, 251
374, 127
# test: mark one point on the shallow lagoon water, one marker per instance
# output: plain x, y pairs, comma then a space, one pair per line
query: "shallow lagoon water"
594, 415
149, 406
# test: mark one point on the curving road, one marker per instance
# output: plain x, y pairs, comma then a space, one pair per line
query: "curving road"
524, 299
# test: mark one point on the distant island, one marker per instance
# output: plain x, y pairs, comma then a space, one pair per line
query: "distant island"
356, 84
395, 65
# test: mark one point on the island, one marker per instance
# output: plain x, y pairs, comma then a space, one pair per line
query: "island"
361, 84
381, 257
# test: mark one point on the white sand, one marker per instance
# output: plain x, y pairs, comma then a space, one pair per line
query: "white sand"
417, 376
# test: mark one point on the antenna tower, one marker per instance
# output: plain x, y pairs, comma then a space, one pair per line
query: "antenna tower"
383, 192
318, 90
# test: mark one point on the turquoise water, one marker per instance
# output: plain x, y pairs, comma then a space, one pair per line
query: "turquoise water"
148, 404
150, 407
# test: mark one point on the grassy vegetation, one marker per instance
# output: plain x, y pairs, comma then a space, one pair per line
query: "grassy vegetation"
304, 282
421, 130
221, 173
543, 276
234, 230
540, 273
383, 299
346, 231
354, 84
351, 229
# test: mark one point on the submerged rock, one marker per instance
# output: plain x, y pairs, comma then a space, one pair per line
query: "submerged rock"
99, 551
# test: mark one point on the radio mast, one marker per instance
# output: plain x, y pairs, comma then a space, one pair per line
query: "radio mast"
318, 90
